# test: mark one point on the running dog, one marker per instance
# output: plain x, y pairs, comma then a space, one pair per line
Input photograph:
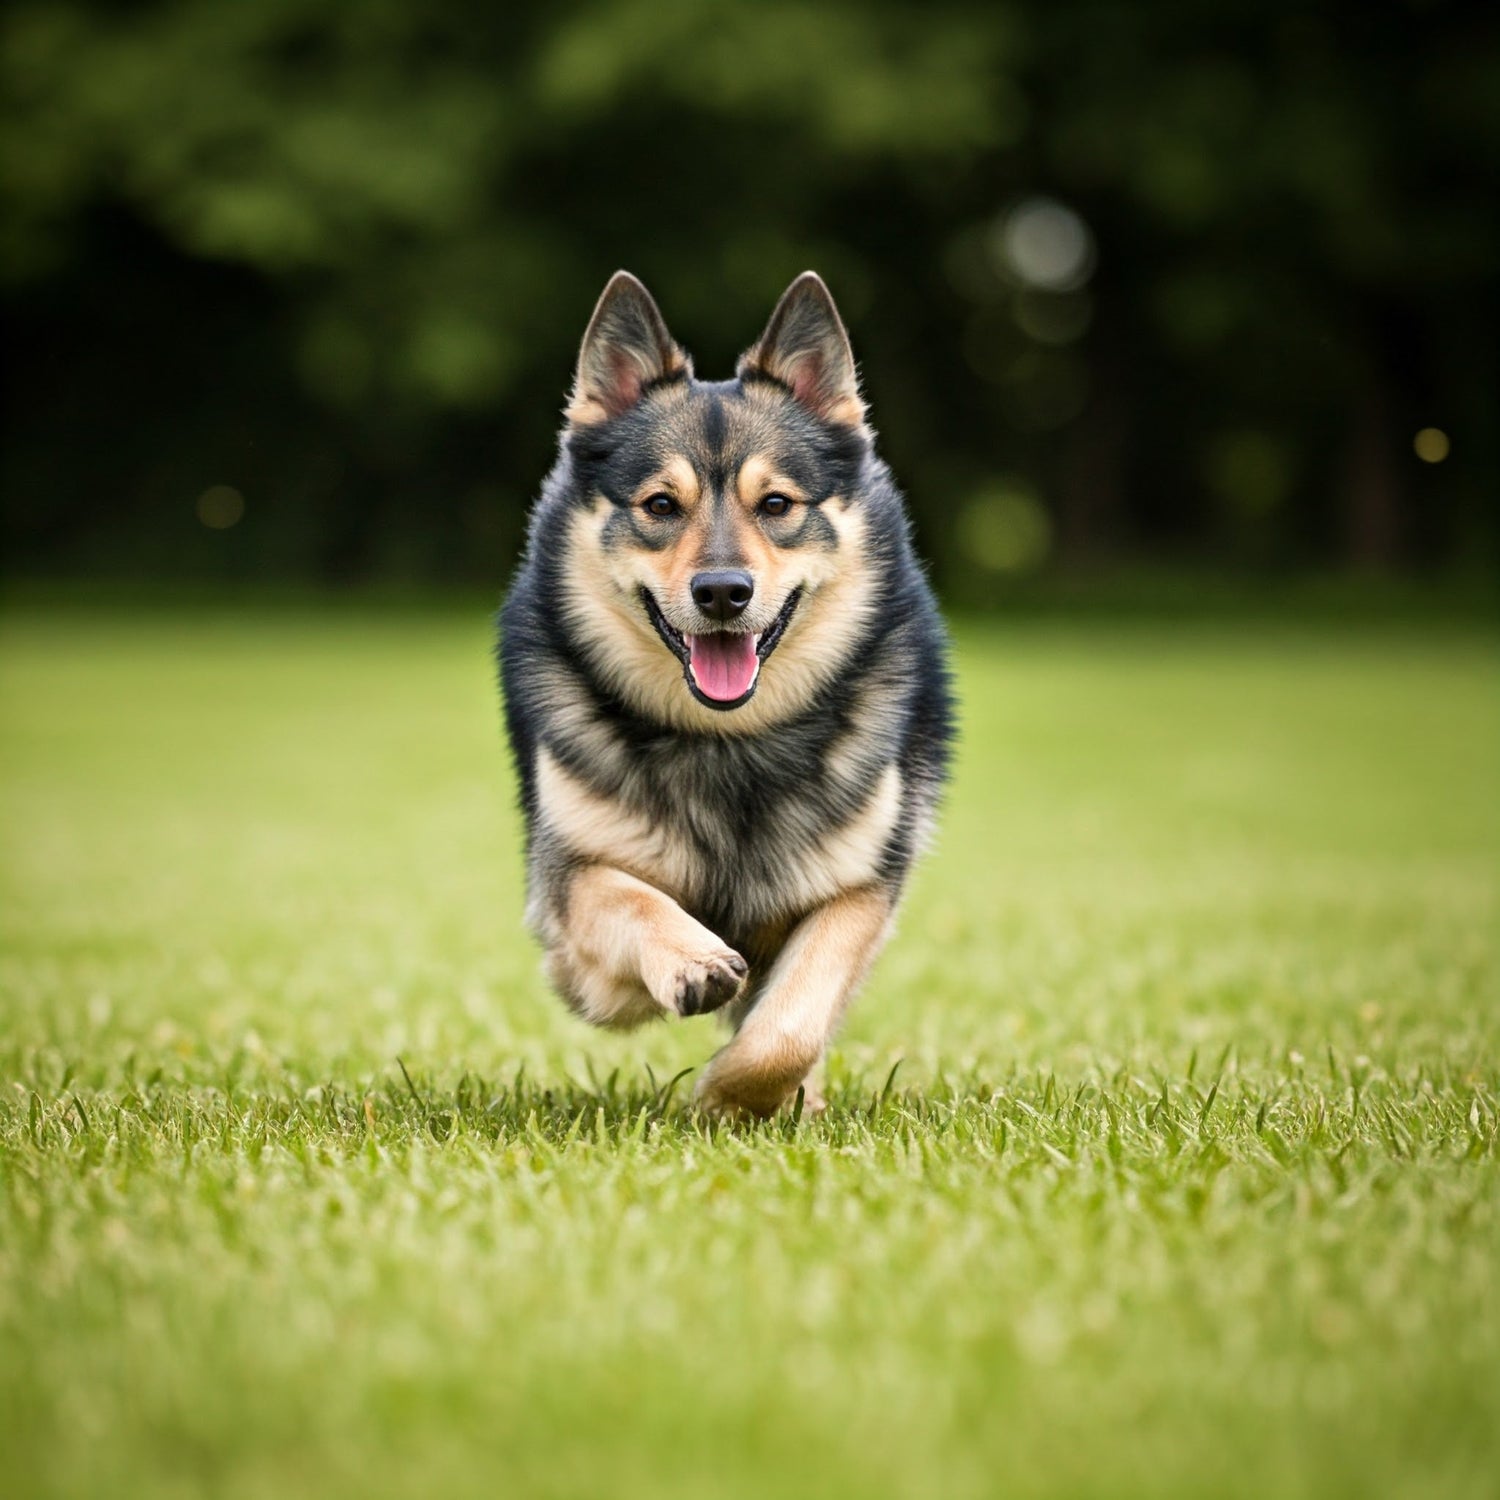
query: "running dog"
726, 691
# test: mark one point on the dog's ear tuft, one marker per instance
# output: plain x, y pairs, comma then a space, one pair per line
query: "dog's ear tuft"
806, 349
626, 348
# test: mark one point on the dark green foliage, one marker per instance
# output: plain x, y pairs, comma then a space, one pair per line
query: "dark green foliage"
337, 258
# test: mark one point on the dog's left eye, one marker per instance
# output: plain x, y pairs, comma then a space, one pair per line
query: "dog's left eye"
661, 505
776, 505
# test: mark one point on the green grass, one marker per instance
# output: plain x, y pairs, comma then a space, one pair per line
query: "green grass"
1187, 1183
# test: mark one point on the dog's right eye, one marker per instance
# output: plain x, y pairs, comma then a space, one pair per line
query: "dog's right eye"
661, 505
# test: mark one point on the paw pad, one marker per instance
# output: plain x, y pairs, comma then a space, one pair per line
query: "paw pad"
710, 982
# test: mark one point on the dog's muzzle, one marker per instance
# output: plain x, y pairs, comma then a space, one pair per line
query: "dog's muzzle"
721, 667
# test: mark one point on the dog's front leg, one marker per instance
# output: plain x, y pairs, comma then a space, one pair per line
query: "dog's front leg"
814, 977
623, 952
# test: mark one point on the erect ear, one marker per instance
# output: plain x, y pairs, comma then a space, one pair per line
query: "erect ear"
806, 348
625, 348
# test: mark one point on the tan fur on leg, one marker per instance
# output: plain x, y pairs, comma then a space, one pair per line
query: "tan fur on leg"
784, 1035
628, 953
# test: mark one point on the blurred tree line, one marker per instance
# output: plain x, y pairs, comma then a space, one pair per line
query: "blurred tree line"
293, 287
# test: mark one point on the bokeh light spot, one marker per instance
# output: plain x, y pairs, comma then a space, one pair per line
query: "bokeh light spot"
221, 506
1006, 529
1432, 445
1044, 243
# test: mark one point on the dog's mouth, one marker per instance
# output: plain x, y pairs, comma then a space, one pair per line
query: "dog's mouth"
722, 668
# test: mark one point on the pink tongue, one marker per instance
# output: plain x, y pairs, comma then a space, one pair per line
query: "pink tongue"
723, 666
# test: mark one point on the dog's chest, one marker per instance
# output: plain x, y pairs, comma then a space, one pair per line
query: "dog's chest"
741, 840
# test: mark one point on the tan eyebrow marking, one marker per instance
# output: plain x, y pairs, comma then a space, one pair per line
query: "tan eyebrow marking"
759, 477
676, 477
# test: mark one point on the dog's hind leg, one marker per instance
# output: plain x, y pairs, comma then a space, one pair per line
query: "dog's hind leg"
622, 952
782, 1039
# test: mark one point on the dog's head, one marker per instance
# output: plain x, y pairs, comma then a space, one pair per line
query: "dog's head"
718, 570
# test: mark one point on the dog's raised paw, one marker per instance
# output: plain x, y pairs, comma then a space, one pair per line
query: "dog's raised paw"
705, 983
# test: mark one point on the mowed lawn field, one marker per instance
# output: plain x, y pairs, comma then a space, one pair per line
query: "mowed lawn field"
1161, 1159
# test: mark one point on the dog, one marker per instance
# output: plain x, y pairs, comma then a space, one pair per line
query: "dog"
726, 692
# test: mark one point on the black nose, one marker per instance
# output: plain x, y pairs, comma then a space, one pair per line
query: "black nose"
721, 596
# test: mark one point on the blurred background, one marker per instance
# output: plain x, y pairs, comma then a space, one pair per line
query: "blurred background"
293, 288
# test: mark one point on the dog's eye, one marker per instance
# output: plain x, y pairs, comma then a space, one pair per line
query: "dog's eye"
776, 505
661, 505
